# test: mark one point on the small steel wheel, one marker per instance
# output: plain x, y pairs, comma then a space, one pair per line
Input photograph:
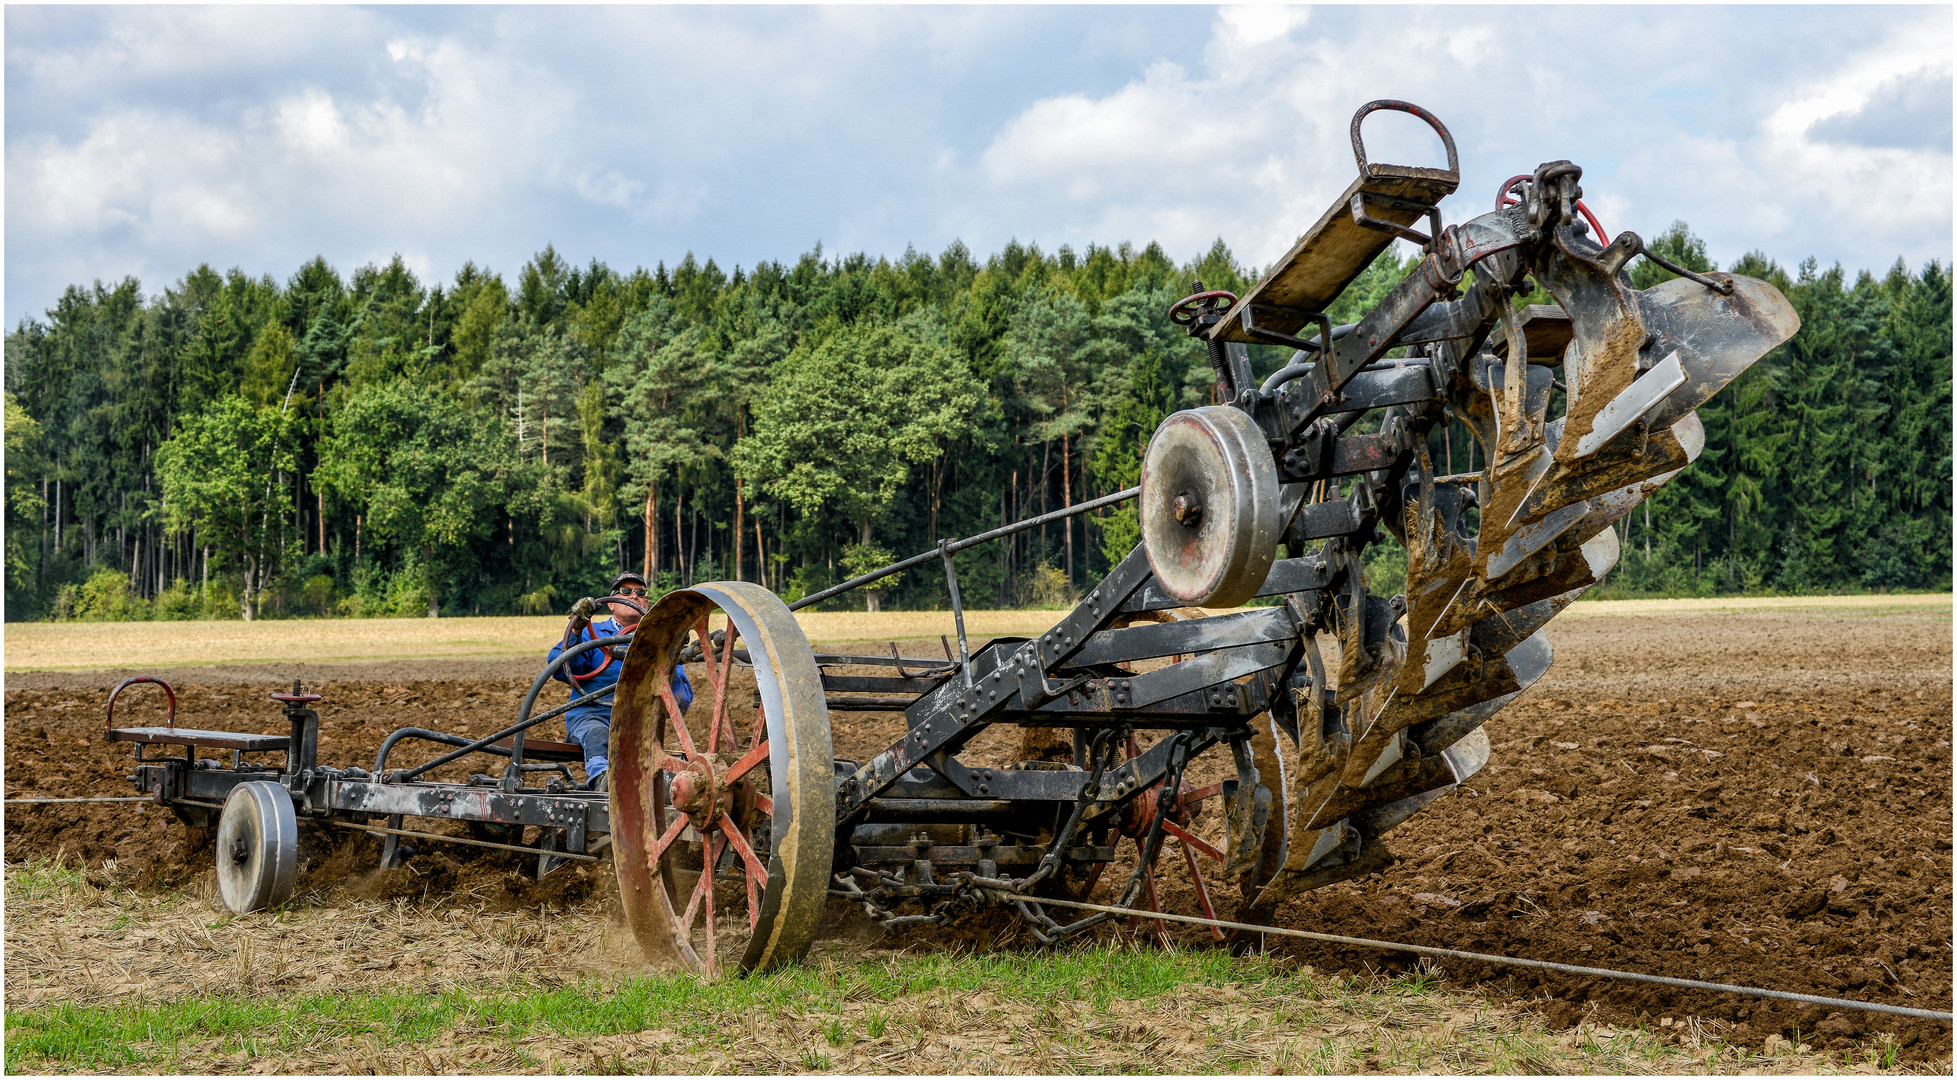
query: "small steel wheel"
1209, 506
257, 847
723, 814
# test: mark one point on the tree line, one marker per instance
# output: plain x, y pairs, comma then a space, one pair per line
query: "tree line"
376, 445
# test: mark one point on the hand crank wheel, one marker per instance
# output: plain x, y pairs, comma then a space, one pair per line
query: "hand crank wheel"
257, 847
724, 815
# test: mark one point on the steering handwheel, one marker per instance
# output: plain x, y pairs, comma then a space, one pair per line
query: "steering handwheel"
1188, 309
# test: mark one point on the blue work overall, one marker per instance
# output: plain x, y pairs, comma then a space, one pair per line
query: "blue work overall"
590, 725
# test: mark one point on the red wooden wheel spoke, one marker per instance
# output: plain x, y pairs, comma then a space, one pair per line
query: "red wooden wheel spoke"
1196, 842
1202, 890
755, 875
760, 723
1194, 796
709, 854
679, 718
713, 683
748, 761
1154, 904
666, 838
736, 838
706, 647
722, 673
707, 876
763, 804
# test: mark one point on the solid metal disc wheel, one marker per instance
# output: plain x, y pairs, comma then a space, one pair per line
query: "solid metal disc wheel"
723, 814
1209, 506
257, 847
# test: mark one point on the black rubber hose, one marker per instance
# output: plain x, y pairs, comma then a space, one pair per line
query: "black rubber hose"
524, 721
387, 744
552, 668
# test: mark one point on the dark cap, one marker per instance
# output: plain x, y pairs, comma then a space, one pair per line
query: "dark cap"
622, 578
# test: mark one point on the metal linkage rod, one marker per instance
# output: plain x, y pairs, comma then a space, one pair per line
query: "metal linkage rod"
1511, 961
464, 840
960, 545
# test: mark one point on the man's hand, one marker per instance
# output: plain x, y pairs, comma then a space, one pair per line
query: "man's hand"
586, 608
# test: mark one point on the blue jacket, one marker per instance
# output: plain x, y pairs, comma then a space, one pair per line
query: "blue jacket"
606, 678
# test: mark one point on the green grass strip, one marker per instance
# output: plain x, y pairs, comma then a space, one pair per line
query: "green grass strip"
128, 1037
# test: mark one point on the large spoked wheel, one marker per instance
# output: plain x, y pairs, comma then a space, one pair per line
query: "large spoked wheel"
1180, 846
723, 813
257, 847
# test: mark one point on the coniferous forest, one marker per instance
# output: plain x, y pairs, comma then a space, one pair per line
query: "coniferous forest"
373, 444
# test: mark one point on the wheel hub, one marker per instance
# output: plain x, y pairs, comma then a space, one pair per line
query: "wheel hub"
696, 788
1140, 816
700, 788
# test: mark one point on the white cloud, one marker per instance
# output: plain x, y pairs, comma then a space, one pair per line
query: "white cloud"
146, 140
1256, 135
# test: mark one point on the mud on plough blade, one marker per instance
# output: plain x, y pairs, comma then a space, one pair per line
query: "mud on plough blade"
733, 826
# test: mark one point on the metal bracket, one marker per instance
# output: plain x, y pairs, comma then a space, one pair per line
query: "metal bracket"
1359, 215
1247, 319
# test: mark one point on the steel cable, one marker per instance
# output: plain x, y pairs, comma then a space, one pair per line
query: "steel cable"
109, 798
1511, 961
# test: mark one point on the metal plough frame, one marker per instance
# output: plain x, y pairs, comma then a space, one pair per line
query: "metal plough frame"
1328, 758
1317, 459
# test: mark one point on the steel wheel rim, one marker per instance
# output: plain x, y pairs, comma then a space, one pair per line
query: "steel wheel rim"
257, 847
750, 788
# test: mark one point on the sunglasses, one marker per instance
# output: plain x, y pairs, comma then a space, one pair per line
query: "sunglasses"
630, 592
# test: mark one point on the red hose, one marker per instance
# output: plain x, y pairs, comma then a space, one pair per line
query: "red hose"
632, 602
1592, 219
1503, 200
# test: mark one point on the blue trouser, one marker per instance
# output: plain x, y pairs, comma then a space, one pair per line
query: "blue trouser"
591, 726
593, 731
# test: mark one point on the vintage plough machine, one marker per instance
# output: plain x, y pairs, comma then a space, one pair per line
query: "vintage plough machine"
1333, 713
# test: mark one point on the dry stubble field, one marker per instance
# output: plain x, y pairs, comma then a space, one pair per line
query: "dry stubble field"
1758, 796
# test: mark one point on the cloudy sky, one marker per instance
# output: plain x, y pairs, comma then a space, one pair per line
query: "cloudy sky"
145, 140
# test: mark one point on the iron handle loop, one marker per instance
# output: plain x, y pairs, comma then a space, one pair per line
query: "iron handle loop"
1408, 107
169, 721
1360, 217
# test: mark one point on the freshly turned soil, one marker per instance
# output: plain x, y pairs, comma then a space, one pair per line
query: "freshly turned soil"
1758, 799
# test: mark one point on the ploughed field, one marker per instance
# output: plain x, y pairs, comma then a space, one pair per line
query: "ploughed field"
1759, 798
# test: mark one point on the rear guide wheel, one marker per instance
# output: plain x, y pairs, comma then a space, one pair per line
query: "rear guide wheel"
257, 847
723, 814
